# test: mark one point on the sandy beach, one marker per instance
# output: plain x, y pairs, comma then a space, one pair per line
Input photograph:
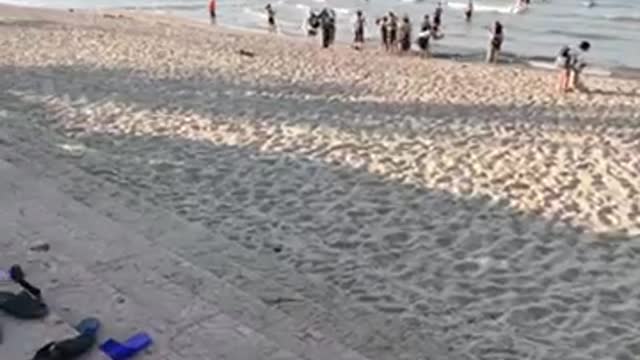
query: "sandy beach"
469, 203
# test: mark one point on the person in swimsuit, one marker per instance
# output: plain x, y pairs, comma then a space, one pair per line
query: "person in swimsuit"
425, 35
495, 42
271, 17
405, 34
468, 12
384, 31
437, 17
212, 11
358, 26
392, 30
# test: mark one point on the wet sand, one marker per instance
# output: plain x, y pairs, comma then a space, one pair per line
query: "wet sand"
472, 202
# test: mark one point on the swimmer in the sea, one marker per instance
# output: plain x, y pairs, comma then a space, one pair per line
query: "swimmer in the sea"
271, 17
468, 12
212, 11
437, 17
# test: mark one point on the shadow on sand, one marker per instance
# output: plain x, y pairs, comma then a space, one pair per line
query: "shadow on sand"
486, 278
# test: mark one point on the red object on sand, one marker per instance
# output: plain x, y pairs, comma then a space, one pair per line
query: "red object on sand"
212, 5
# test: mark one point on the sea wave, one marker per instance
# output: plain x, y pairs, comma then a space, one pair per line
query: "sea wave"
583, 35
624, 18
483, 8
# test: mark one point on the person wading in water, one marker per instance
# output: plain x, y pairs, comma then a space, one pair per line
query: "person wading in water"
271, 18
495, 42
212, 11
358, 28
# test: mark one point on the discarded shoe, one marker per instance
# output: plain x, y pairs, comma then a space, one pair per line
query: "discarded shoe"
72, 348
22, 305
128, 349
17, 275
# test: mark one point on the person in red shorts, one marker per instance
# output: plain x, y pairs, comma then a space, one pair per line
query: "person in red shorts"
212, 10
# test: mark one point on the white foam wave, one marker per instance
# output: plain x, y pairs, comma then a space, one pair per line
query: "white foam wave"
482, 8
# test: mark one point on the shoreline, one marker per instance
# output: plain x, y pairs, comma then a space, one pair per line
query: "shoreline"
469, 55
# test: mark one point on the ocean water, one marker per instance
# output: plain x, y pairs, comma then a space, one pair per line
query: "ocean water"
612, 26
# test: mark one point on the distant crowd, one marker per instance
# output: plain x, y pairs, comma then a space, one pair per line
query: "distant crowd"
396, 36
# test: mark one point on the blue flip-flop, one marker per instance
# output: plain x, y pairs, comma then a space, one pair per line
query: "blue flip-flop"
132, 346
72, 348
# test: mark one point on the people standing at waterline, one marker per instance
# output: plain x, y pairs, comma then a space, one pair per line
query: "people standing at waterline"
384, 31
212, 11
563, 62
405, 34
392, 30
271, 18
328, 25
495, 42
358, 25
424, 36
578, 64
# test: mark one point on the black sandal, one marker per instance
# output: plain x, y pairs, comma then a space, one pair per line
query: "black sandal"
22, 305
72, 348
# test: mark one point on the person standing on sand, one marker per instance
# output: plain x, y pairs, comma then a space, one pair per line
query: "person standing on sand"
495, 42
578, 64
392, 30
212, 11
468, 12
271, 18
424, 36
328, 25
358, 25
384, 31
563, 62
405, 34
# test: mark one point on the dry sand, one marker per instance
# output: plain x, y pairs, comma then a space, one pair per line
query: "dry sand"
471, 201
